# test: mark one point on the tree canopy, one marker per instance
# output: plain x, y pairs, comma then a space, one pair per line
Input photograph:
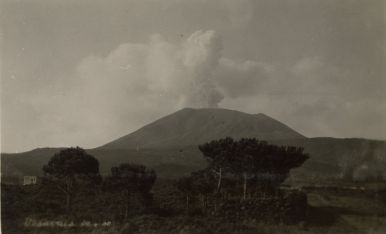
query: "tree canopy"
130, 179
250, 158
72, 162
69, 168
134, 177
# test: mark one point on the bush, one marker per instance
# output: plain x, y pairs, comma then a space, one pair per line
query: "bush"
290, 207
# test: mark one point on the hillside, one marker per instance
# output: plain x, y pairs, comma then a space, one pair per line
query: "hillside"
189, 127
169, 145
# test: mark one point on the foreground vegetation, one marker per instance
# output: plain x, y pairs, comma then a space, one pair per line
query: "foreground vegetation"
238, 192
330, 211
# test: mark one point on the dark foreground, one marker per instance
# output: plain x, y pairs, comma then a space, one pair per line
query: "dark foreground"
360, 209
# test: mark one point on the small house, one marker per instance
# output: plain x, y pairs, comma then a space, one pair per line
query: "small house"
29, 180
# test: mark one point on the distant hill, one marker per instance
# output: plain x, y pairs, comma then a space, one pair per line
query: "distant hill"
347, 158
169, 145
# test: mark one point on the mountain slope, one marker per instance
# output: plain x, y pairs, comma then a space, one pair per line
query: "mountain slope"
169, 145
195, 126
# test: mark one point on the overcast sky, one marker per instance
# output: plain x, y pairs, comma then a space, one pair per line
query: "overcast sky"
84, 72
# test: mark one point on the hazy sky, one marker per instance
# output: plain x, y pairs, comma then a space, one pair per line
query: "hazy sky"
77, 72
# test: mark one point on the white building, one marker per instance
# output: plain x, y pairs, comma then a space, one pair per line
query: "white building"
27, 180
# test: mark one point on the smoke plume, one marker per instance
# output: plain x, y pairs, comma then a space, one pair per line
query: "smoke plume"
184, 73
136, 83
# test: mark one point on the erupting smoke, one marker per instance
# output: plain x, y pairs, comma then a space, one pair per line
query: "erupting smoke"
139, 82
201, 58
184, 73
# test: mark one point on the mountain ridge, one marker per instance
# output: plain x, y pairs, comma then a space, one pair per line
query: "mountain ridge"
195, 126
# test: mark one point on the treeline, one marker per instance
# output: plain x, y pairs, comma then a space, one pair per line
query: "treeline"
241, 181
242, 178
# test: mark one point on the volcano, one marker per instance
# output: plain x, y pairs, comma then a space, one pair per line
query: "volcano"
170, 146
190, 127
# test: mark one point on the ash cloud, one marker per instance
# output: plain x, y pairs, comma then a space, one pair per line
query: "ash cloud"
136, 83
184, 73
190, 74
201, 54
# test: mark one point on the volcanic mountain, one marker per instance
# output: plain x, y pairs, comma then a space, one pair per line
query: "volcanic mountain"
190, 127
169, 145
